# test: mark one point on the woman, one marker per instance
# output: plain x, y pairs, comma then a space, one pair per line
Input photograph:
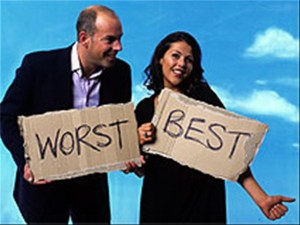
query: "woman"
172, 192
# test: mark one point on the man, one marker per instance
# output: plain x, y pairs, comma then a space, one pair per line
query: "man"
83, 75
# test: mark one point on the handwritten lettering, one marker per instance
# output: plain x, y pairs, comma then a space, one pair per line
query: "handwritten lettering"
211, 136
67, 142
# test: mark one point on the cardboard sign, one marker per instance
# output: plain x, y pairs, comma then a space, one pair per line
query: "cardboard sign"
207, 138
66, 144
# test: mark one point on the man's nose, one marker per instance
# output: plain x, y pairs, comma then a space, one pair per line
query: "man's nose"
117, 46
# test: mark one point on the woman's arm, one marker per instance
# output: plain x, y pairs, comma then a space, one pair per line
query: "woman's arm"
271, 206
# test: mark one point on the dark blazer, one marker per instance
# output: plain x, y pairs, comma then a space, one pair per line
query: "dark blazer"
43, 83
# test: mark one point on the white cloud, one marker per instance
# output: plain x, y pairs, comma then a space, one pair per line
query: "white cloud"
296, 145
261, 82
265, 102
274, 42
285, 81
291, 82
139, 92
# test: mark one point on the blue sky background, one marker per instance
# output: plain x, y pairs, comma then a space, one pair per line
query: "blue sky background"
250, 57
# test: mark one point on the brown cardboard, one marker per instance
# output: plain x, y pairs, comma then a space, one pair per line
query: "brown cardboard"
72, 143
206, 138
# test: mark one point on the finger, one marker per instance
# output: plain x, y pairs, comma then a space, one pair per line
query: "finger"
287, 199
278, 212
142, 159
141, 141
271, 216
144, 136
145, 128
41, 182
132, 165
127, 165
275, 213
27, 175
147, 134
152, 128
29, 180
147, 125
141, 134
281, 208
126, 171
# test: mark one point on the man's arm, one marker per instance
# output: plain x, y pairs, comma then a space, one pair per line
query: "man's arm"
16, 102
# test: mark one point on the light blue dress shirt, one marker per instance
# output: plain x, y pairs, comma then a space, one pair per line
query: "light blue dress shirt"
85, 90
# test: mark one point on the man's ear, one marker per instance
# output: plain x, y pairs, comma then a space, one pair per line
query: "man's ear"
84, 39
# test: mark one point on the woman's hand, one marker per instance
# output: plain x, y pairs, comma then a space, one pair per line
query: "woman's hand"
273, 208
146, 133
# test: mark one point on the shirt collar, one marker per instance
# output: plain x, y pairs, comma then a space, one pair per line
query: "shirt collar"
75, 64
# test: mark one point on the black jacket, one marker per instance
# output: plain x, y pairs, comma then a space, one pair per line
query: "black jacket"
43, 83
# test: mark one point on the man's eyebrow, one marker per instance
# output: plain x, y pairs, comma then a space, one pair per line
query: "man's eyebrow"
112, 36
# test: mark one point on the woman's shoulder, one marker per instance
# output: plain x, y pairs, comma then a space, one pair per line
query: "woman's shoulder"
145, 110
208, 95
147, 101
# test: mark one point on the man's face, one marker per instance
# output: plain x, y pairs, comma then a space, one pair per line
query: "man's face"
105, 43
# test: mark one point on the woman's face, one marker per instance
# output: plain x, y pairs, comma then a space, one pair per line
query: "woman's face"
177, 64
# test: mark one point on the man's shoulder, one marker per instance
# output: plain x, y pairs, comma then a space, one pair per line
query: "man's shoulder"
42, 54
122, 63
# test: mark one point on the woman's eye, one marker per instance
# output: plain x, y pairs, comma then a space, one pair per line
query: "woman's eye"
176, 56
190, 60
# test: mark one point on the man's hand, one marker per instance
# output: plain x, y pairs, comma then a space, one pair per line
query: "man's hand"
28, 176
133, 167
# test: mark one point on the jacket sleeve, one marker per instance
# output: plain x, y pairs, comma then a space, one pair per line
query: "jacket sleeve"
16, 101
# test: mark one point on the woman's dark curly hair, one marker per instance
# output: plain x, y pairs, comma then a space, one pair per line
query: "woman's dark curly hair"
193, 83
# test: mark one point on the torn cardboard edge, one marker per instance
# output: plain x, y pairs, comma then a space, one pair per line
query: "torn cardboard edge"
92, 170
176, 147
71, 143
